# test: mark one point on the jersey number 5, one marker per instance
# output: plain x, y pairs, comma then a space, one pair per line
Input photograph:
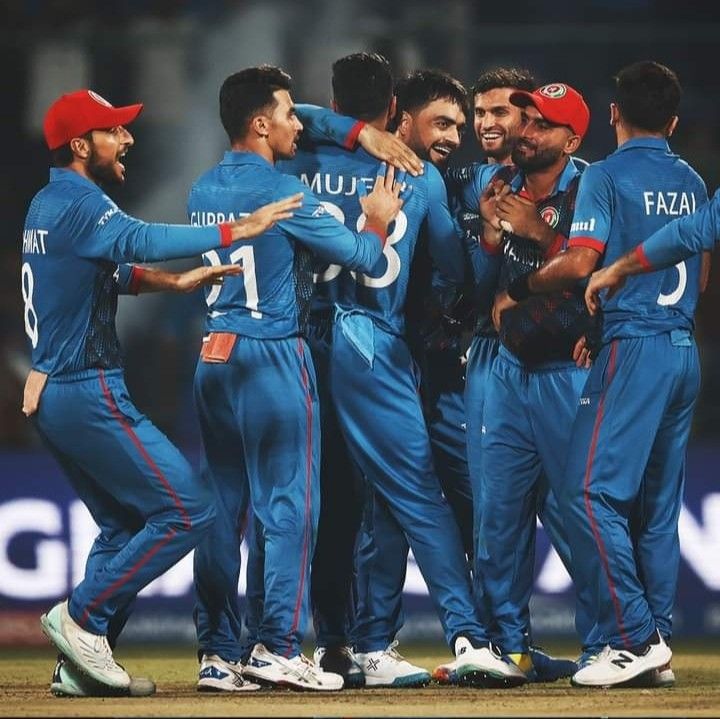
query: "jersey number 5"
675, 296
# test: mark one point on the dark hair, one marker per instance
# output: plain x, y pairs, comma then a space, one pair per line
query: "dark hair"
62, 156
362, 85
245, 93
647, 95
422, 87
517, 78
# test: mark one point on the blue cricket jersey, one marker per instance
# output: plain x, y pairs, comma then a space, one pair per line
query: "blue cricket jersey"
270, 299
683, 237
74, 241
335, 175
622, 200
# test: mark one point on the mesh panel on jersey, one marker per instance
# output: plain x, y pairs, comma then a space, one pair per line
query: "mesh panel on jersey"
544, 328
102, 347
303, 265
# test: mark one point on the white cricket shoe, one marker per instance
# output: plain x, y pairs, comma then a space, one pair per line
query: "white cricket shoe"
69, 681
89, 652
340, 660
218, 675
485, 667
616, 666
387, 668
296, 673
655, 679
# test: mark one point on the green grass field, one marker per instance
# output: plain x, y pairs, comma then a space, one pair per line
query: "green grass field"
25, 677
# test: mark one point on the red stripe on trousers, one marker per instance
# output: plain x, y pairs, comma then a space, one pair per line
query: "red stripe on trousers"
588, 504
125, 577
308, 485
143, 452
171, 533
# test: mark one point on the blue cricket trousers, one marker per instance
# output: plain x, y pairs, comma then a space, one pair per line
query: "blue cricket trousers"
623, 484
375, 390
341, 502
149, 505
527, 421
261, 431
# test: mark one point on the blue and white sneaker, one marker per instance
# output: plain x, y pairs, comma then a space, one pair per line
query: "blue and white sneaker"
547, 668
388, 668
69, 681
298, 672
218, 675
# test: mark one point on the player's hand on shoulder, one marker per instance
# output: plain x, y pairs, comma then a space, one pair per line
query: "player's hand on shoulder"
385, 146
265, 217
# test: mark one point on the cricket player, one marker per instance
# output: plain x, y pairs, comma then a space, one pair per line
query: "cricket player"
623, 481
522, 453
374, 387
498, 124
141, 492
255, 385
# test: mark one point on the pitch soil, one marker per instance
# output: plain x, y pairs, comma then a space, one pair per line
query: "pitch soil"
25, 677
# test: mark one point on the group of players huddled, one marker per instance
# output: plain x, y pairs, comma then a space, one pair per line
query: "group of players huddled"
399, 353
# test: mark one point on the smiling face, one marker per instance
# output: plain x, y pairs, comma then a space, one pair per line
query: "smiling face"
497, 123
542, 142
107, 148
284, 128
434, 131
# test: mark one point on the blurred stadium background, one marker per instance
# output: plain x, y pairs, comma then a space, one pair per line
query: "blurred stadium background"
172, 55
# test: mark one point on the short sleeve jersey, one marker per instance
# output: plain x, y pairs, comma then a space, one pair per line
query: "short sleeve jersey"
621, 201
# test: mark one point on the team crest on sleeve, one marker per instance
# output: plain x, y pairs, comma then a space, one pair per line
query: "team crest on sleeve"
554, 90
550, 215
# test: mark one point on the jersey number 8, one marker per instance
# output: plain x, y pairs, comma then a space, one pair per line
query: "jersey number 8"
392, 258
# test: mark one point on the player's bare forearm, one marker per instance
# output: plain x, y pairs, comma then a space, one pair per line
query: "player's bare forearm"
612, 278
152, 280
564, 270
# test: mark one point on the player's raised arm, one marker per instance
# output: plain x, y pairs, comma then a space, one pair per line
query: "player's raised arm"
323, 125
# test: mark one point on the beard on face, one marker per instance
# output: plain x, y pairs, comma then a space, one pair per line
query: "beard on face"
103, 171
540, 160
500, 153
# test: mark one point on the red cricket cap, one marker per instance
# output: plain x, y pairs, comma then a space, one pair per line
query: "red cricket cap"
78, 112
558, 103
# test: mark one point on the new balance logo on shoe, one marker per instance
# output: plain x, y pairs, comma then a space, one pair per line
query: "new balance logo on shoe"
622, 660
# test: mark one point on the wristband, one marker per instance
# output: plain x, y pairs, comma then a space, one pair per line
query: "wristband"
519, 289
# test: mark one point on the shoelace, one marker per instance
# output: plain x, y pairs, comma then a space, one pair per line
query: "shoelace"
104, 654
392, 652
303, 668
